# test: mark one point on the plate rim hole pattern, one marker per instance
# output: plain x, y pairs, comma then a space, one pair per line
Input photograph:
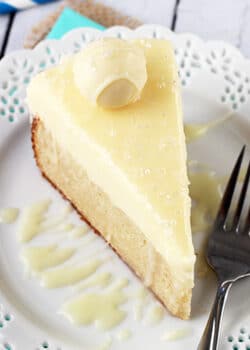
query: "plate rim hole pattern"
45, 345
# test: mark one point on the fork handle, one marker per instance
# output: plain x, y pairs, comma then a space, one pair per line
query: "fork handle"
209, 340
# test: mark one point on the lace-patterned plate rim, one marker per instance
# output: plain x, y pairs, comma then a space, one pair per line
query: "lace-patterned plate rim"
214, 63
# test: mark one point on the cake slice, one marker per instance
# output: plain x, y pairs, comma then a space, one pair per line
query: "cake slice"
107, 132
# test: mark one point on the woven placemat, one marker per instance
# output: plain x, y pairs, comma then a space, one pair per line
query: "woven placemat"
97, 12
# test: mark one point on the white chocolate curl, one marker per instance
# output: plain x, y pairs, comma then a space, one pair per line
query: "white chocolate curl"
110, 73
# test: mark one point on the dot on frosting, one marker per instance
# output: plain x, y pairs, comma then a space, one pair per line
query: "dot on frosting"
110, 73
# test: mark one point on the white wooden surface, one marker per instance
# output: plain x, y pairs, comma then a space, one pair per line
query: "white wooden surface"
3, 27
211, 19
24, 21
227, 20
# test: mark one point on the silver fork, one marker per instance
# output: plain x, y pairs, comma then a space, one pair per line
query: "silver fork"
228, 252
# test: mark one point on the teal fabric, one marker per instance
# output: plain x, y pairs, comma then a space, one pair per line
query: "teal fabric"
68, 20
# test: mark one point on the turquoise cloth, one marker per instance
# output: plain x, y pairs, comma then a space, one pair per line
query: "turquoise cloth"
68, 20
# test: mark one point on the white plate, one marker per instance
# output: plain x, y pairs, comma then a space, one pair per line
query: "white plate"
216, 81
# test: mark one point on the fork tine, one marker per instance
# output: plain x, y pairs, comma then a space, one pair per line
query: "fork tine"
229, 191
246, 229
236, 220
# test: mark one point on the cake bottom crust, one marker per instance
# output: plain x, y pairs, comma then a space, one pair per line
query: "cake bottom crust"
95, 207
